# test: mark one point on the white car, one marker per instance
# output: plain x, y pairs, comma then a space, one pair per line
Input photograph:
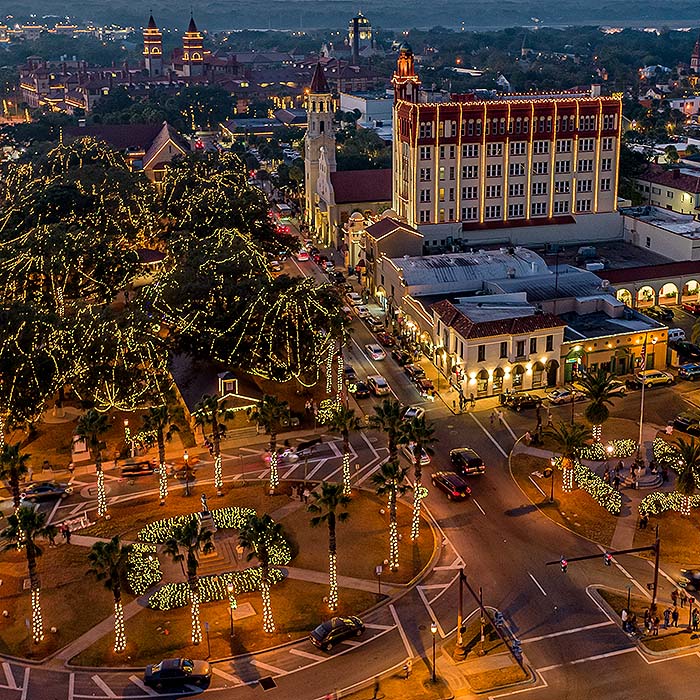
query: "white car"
408, 454
376, 352
413, 412
303, 255
362, 311
378, 385
354, 298
563, 395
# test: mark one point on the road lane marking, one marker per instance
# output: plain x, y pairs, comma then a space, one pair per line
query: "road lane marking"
536, 485
268, 667
25, 684
596, 657
9, 676
488, 434
537, 583
317, 467
142, 686
71, 686
573, 630
433, 617
376, 626
306, 654
404, 638
103, 686
226, 676
476, 503
627, 574
352, 642
675, 584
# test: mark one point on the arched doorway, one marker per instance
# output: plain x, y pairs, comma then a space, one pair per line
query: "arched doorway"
552, 369
575, 363
668, 294
518, 375
482, 383
646, 296
625, 296
497, 381
691, 291
537, 375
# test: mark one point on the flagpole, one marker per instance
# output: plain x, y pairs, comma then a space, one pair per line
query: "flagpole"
641, 407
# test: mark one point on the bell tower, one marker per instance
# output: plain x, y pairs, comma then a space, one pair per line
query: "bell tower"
695, 58
192, 51
406, 82
153, 49
320, 137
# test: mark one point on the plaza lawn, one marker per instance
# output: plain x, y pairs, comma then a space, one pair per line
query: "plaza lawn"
297, 606
680, 539
577, 511
65, 588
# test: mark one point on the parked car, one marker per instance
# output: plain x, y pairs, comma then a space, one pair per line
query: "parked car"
401, 356
329, 266
675, 334
385, 339
564, 395
409, 454
362, 311
350, 374
354, 298
692, 307
686, 419
652, 377
425, 387
359, 389
378, 385
275, 266
451, 484
303, 255
177, 672
335, 630
142, 468
414, 371
686, 350
45, 491
413, 412
661, 313
520, 400
690, 579
690, 371
466, 461
375, 324
337, 278
376, 352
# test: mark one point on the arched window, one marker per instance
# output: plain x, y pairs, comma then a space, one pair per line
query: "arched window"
518, 374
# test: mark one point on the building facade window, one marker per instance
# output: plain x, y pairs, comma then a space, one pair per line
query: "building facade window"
493, 211
516, 169
481, 353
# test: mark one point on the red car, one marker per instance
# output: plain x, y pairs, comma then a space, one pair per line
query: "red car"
692, 307
385, 339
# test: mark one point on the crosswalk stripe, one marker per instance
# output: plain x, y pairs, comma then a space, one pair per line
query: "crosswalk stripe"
306, 654
226, 676
268, 667
103, 687
11, 682
142, 686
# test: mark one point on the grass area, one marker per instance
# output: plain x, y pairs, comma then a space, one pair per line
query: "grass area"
472, 639
613, 428
297, 606
419, 686
363, 541
577, 510
496, 678
65, 587
672, 638
680, 539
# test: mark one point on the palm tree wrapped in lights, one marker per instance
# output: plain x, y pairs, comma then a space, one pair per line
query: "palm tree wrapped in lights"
570, 439
261, 536
688, 471
389, 484
13, 467
597, 386
271, 414
109, 562
420, 436
184, 546
91, 427
328, 507
159, 430
23, 529
210, 411
389, 419
344, 421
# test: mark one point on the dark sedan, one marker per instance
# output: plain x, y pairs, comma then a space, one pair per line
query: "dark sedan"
467, 461
335, 630
401, 356
177, 672
452, 485
517, 402
132, 469
45, 491
359, 389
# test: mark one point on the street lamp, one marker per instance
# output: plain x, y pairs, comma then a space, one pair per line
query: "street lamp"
127, 437
433, 629
553, 464
230, 589
641, 406
186, 460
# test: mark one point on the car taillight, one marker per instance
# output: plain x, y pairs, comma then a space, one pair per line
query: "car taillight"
456, 493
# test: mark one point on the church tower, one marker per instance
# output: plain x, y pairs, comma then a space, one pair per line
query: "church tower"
695, 58
405, 81
153, 49
192, 51
319, 142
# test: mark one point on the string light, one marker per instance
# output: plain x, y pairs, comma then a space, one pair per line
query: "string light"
419, 493
119, 632
332, 581
218, 474
101, 495
37, 620
268, 619
274, 471
658, 502
162, 482
346, 473
329, 370
196, 623
597, 431
393, 545
586, 479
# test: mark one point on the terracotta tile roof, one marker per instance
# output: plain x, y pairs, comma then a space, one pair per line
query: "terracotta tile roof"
452, 317
319, 85
362, 186
388, 225
671, 178
650, 272
121, 136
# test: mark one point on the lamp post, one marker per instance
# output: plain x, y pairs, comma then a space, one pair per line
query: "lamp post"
186, 460
552, 463
641, 406
433, 629
127, 437
231, 603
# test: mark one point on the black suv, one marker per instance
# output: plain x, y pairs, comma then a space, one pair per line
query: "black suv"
517, 402
335, 630
466, 461
452, 485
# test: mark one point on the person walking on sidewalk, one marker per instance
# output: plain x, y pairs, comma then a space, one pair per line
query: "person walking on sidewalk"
472, 401
667, 618
674, 617
674, 597
683, 597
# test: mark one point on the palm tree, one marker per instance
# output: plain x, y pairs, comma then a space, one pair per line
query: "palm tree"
389, 420
689, 469
208, 412
389, 484
598, 387
420, 436
570, 438
271, 414
23, 529
184, 545
159, 430
109, 562
261, 536
90, 427
340, 329
329, 507
13, 467
344, 421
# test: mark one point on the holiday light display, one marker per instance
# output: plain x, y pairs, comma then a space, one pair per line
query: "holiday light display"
196, 622
332, 581
37, 619
589, 481
658, 502
597, 452
119, 631
419, 493
144, 567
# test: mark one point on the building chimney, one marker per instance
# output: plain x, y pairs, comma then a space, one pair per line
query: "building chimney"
356, 41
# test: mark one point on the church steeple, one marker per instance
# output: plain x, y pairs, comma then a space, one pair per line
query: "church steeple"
319, 84
695, 58
192, 50
406, 82
153, 48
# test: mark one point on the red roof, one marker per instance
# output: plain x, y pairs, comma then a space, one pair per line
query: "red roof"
319, 85
388, 225
650, 272
452, 317
362, 186
671, 178
121, 137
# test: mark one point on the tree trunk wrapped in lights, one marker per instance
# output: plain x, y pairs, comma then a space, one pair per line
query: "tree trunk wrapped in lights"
268, 619
196, 622
37, 620
119, 631
162, 481
329, 370
101, 494
274, 466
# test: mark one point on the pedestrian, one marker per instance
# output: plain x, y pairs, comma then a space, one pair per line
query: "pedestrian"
674, 617
65, 531
616, 483
683, 597
606, 476
667, 618
408, 667
492, 416
52, 537
500, 416
624, 617
664, 473
306, 493
527, 437
472, 400
620, 466
375, 694
674, 597
647, 619
550, 422
696, 619
643, 522
655, 626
